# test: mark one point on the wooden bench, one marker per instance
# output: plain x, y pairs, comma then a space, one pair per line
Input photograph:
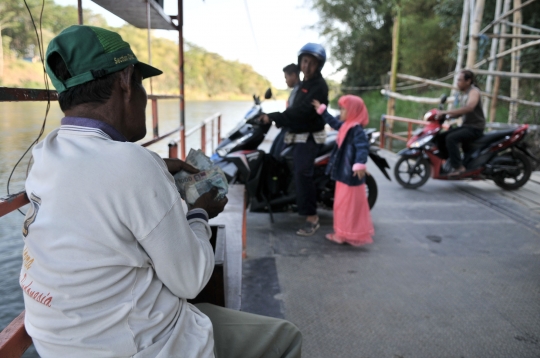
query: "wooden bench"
223, 289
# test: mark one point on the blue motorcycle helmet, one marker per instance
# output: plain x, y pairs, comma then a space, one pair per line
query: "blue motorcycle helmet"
314, 50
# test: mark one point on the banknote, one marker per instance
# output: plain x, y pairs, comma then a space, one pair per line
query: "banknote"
191, 186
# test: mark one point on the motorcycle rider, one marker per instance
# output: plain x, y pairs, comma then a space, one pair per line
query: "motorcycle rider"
292, 78
473, 125
306, 131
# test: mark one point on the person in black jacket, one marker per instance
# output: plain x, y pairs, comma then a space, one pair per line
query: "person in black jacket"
292, 78
306, 131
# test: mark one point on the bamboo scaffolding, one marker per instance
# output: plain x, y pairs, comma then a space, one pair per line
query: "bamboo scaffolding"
509, 36
473, 38
391, 105
447, 85
426, 100
516, 63
492, 53
497, 83
430, 100
461, 45
524, 27
506, 14
504, 53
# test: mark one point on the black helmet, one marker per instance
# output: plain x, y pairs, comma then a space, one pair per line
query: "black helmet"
314, 50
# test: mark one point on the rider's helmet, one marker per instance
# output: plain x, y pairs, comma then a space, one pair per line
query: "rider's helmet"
314, 50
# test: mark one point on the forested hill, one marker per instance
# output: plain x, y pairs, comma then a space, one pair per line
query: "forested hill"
207, 75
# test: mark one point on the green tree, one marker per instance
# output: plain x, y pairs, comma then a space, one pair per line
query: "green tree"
359, 35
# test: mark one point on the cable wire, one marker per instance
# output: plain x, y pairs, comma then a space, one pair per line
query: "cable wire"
46, 81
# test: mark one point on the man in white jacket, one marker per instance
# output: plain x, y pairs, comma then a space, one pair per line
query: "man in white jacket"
110, 257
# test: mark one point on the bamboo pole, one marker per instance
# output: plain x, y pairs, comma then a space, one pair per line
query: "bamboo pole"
504, 53
524, 27
505, 15
461, 46
492, 53
497, 83
531, 76
509, 36
391, 105
515, 64
473, 39
427, 100
485, 94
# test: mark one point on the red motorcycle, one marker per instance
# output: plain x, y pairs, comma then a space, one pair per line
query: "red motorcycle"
501, 156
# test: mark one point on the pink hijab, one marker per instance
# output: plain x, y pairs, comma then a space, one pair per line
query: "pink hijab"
357, 114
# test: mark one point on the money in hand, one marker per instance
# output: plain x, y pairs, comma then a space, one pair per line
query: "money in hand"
191, 186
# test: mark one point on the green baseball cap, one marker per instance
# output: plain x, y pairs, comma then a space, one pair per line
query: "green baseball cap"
91, 52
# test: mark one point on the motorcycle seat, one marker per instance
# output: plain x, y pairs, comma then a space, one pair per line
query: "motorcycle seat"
491, 137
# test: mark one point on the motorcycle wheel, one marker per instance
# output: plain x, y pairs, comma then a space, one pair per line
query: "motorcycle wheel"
507, 181
371, 190
410, 176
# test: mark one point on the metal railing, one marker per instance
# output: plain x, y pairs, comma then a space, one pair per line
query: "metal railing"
8, 94
386, 131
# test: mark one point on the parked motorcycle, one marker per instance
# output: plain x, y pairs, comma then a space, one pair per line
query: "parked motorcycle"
501, 156
269, 181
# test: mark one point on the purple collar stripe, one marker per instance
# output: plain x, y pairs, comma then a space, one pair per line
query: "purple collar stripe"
94, 123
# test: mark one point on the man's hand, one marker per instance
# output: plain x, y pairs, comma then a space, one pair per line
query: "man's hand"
174, 165
265, 119
208, 202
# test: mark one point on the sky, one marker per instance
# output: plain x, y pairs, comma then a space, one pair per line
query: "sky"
268, 38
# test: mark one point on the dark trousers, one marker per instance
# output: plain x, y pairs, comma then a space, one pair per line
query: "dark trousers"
303, 160
455, 136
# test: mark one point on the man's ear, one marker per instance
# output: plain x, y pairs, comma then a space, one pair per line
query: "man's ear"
125, 80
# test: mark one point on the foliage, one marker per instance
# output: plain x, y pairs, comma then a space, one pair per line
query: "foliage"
207, 75
359, 35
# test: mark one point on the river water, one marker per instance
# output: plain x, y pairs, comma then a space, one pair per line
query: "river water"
19, 126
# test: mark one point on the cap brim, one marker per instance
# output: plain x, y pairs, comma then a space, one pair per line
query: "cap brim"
147, 70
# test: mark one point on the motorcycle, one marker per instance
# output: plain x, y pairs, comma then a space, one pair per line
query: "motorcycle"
269, 181
501, 156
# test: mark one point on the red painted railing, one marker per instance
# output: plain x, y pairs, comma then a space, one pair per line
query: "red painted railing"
386, 131
28, 94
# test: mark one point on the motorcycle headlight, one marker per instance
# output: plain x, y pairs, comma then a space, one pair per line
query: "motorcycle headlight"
421, 142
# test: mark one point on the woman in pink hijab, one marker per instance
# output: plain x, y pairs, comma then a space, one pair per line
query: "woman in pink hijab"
352, 219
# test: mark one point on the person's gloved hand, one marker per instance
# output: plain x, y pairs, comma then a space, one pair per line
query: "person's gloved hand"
208, 202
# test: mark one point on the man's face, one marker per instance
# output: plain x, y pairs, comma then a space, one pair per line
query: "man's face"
291, 79
309, 66
137, 108
462, 83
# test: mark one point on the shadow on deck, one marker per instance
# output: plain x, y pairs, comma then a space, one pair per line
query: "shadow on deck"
454, 272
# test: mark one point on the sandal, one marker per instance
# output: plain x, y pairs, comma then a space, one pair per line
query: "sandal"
308, 229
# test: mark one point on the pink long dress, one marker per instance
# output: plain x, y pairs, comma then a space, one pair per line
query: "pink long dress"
352, 218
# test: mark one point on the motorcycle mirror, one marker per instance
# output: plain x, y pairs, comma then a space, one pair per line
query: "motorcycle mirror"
443, 98
268, 94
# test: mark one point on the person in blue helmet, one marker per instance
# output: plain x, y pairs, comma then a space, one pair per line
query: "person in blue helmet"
306, 131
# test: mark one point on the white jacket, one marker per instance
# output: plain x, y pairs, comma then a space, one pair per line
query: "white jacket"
109, 257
